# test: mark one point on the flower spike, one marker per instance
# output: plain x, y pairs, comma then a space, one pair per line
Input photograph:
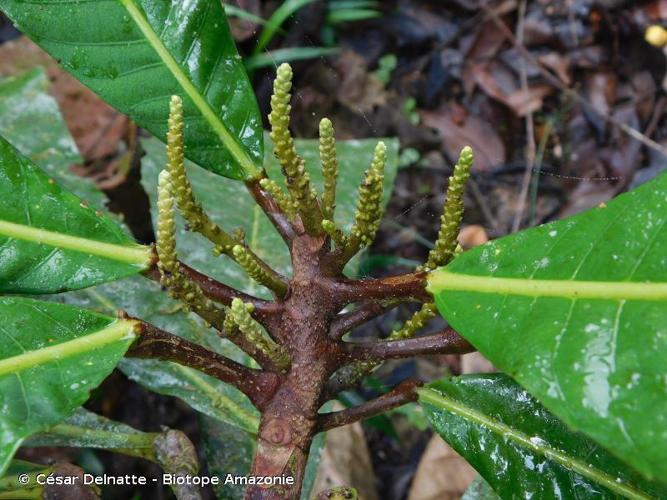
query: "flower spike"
369, 204
252, 331
445, 246
191, 209
171, 277
250, 265
329, 167
294, 167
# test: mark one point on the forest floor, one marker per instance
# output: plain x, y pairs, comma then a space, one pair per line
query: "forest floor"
562, 101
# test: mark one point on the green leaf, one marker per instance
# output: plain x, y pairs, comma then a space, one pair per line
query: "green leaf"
50, 241
137, 53
32, 122
230, 205
51, 356
143, 299
85, 429
576, 312
520, 448
479, 490
278, 56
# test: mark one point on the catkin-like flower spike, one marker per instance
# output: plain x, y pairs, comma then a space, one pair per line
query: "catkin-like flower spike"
171, 277
329, 167
352, 374
254, 335
283, 200
334, 233
369, 204
257, 272
293, 166
445, 246
191, 209
417, 321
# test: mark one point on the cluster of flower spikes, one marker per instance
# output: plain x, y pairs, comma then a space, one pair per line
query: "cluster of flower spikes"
298, 201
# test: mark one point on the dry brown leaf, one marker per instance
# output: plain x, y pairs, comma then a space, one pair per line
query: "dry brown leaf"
475, 362
457, 130
97, 128
359, 90
346, 461
472, 236
442, 474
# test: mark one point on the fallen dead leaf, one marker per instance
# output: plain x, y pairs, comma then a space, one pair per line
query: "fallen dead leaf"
442, 474
457, 131
346, 461
472, 236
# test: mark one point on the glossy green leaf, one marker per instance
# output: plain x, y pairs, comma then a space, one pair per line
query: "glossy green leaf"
32, 123
137, 53
51, 356
576, 312
279, 56
143, 299
230, 205
520, 448
479, 490
85, 429
49, 240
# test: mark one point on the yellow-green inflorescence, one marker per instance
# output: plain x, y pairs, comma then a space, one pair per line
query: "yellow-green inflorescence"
294, 167
258, 273
329, 167
178, 285
445, 246
283, 200
369, 204
415, 323
191, 209
254, 335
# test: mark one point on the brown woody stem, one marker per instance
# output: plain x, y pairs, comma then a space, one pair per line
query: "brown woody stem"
345, 322
411, 286
398, 396
155, 343
272, 210
446, 342
265, 311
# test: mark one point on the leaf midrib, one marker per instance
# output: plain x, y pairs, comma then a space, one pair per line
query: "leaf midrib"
235, 149
116, 331
444, 280
437, 399
131, 254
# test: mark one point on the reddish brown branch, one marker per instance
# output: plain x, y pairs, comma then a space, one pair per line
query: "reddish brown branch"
154, 343
345, 322
445, 342
265, 311
411, 286
398, 396
277, 217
